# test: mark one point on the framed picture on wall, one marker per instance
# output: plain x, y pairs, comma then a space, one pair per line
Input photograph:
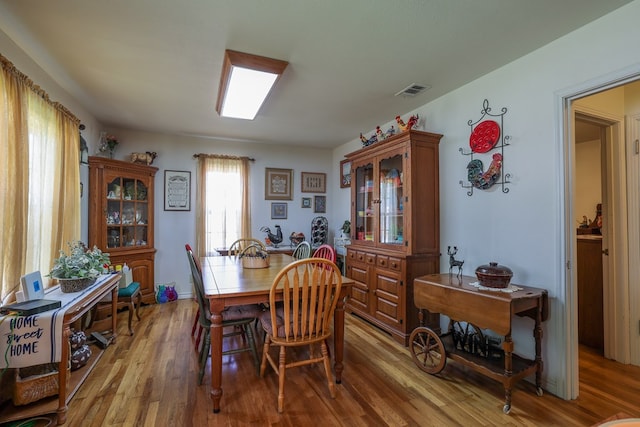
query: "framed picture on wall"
320, 204
277, 184
345, 174
177, 190
278, 211
314, 182
306, 202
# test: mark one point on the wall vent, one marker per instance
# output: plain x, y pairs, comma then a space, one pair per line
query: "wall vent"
413, 89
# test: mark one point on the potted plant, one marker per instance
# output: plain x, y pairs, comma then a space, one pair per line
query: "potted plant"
346, 229
80, 268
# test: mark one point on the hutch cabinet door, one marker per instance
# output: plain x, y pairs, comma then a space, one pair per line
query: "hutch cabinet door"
389, 298
364, 195
392, 200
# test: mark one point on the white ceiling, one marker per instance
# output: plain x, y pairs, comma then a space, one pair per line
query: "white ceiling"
155, 64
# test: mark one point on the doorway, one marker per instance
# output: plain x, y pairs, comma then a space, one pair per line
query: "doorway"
593, 111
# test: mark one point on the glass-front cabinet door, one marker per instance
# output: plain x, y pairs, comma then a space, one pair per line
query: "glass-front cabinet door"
127, 212
391, 200
365, 209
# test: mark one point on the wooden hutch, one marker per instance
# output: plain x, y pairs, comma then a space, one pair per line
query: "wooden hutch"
121, 217
395, 227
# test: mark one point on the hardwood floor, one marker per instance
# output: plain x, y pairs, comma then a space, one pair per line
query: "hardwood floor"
150, 380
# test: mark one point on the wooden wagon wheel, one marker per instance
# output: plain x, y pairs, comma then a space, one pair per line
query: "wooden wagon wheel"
427, 350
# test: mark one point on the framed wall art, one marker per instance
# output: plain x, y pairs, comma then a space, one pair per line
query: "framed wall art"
278, 211
320, 204
306, 202
277, 184
345, 173
177, 190
314, 182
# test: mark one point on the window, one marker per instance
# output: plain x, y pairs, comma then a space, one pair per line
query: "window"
39, 178
223, 202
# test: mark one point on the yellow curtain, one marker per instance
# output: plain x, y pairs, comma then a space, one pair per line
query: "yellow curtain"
223, 209
39, 178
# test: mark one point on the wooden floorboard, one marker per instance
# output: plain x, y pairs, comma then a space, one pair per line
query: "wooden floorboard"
150, 379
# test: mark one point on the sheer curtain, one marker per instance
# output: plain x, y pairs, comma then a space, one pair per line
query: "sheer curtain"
223, 212
39, 178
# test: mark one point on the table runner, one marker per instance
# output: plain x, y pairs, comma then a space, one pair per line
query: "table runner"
36, 339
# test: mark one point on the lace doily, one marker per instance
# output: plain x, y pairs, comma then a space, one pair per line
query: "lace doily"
509, 289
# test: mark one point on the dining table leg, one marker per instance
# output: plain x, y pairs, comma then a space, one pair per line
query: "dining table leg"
216, 306
338, 337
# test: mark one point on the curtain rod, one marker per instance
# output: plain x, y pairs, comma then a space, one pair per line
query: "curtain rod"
222, 156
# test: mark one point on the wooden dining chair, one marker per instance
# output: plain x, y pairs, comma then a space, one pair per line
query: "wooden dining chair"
241, 315
325, 251
302, 251
240, 244
310, 289
196, 329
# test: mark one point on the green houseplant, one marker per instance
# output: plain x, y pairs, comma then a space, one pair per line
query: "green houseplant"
80, 268
346, 228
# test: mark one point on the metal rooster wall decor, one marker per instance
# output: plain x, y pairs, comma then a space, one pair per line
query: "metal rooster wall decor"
486, 136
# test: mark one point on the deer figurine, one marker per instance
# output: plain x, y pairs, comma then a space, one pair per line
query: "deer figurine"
454, 262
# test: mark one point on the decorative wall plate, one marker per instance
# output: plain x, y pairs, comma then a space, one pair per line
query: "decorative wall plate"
485, 136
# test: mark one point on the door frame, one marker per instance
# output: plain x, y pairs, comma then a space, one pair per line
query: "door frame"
633, 197
567, 325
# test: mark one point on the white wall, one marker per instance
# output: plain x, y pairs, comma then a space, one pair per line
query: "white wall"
522, 229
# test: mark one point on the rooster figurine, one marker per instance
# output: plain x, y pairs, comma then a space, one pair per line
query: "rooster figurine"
413, 120
390, 132
367, 142
484, 180
275, 239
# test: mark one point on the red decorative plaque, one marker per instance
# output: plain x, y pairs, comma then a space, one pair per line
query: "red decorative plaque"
484, 136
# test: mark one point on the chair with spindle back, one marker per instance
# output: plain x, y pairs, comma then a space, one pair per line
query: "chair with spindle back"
325, 251
240, 244
310, 289
302, 251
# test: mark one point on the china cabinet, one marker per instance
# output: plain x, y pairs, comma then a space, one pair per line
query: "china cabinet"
121, 217
395, 228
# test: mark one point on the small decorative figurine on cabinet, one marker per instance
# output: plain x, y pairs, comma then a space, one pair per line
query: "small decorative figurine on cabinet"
367, 142
411, 123
454, 262
144, 158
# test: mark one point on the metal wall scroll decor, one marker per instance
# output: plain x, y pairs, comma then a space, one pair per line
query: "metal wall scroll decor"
486, 138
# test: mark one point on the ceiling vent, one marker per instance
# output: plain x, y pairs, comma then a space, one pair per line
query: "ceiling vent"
413, 90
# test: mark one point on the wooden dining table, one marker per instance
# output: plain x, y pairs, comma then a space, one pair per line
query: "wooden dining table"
227, 283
